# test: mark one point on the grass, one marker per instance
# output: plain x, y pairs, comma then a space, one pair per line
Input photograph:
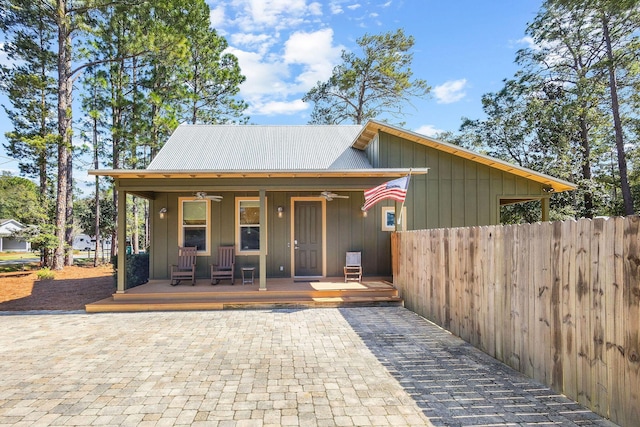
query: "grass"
10, 256
10, 268
31, 266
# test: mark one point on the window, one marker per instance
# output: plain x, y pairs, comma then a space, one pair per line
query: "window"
389, 219
194, 224
248, 225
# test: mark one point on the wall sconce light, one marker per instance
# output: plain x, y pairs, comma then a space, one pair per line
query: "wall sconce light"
364, 213
162, 213
280, 211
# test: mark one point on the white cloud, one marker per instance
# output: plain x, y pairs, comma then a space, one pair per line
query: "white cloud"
555, 51
354, 6
275, 108
336, 8
283, 49
428, 130
217, 16
263, 77
317, 62
259, 43
450, 92
528, 42
272, 79
258, 15
315, 8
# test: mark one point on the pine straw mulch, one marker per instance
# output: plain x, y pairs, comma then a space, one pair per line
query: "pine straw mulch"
71, 289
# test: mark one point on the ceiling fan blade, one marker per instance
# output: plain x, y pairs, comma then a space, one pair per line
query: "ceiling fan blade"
201, 195
330, 195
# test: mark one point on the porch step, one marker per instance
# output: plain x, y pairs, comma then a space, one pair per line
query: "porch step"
110, 305
160, 296
252, 294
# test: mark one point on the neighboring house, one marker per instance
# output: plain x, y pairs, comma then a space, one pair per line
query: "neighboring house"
260, 188
7, 243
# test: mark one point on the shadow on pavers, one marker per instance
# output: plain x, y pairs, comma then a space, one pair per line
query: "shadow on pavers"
454, 383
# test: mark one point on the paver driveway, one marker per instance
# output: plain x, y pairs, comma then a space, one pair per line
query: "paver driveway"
357, 366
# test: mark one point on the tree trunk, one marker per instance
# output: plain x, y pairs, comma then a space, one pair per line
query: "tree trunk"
116, 124
69, 224
64, 129
96, 166
586, 166
617, 122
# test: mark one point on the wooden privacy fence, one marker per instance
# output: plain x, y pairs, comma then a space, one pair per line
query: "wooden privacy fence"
559, 302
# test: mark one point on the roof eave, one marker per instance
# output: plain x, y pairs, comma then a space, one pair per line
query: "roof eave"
293, 173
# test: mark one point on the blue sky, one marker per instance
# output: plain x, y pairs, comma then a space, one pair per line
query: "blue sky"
463, 49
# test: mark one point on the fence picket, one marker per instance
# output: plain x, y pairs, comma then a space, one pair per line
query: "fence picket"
631, 305
556, 307
541, 346
569, 317
597, 326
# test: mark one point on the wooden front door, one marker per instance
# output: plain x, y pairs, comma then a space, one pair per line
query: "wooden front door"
307, 237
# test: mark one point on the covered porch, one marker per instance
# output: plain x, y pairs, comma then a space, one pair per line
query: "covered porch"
159, 295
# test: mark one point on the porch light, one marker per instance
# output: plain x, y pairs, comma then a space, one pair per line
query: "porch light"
280, 211
364, 212
162, 213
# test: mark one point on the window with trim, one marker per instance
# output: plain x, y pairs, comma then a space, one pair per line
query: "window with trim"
389, 218
248, 225
194, 224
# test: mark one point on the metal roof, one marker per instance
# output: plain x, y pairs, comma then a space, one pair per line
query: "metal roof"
268, 151
259, 148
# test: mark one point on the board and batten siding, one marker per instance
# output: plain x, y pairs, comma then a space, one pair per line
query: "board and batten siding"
347, 230
456, 192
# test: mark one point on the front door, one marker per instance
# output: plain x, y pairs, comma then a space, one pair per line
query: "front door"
307, 235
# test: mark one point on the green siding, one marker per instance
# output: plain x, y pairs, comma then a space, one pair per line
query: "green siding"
347, 230
456, 192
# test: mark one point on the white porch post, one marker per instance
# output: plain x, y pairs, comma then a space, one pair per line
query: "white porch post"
122, 241
263, 240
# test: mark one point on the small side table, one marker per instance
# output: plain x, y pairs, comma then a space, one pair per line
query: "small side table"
245, 275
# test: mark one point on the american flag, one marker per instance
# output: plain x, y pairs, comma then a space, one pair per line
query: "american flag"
395, 190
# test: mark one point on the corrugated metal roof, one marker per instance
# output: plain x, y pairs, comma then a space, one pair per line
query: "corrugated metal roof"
258, 147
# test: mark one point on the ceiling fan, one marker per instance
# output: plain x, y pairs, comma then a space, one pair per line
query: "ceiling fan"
202, 195
329, 195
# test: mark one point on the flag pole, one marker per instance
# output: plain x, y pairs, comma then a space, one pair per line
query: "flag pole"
402, 206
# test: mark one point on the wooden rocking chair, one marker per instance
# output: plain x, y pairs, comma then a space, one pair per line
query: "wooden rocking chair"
225, 267
186, 267
353, 267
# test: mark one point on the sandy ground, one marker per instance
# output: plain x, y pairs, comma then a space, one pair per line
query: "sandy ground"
71, 289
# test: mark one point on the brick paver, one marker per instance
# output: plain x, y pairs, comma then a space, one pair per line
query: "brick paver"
325, 367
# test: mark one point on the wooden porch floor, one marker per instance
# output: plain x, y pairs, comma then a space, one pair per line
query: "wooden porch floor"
159, 295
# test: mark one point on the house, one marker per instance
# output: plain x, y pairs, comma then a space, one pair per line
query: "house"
8, 243
289, 198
